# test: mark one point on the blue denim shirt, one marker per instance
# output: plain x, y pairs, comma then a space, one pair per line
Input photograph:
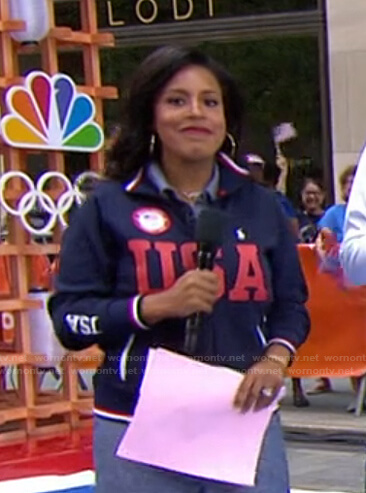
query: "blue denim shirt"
208, 195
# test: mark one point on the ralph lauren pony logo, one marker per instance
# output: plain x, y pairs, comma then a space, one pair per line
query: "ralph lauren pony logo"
48, 113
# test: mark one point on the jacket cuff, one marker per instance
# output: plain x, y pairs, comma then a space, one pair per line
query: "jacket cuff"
135, 315
282, 342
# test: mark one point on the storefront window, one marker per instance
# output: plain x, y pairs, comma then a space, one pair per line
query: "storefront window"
114, 13
279, 75
279, 78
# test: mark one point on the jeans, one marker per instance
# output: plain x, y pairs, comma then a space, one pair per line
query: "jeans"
114, 474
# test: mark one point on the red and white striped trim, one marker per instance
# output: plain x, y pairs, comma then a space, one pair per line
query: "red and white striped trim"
226, 160
135, 181
111, 415
135, 315
283, 342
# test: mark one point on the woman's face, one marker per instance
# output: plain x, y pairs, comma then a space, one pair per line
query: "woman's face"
312, 197
189, 116
346, 187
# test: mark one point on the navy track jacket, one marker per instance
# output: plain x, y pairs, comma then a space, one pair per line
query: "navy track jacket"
130, 240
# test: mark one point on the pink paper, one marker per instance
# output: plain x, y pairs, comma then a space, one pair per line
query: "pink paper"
185, 421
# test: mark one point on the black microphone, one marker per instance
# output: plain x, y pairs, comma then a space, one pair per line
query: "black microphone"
208, 235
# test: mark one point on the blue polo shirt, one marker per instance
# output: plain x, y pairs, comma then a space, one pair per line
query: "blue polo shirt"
334, 220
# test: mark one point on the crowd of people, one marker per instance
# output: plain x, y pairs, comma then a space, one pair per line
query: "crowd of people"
311, 215
312, 223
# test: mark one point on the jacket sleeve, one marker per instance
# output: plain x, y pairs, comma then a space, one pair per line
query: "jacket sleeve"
353, 247
84, 309
288, 322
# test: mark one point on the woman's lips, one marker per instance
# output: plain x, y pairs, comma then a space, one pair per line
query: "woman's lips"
197, 130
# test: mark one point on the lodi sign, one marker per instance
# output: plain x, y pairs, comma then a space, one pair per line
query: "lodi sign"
120, 13
151, 11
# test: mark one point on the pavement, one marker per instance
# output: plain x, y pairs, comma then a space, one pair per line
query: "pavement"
325, 443
326, 416
326, 466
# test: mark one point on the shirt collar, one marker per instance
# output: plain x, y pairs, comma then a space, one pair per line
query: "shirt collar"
158, 178
231, 177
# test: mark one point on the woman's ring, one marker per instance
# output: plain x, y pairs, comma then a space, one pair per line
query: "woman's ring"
267, 392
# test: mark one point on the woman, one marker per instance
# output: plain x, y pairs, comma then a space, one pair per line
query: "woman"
331, 228
312, 201
127, 276
334, 216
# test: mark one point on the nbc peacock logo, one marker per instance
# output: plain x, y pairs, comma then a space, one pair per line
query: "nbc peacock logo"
48, 113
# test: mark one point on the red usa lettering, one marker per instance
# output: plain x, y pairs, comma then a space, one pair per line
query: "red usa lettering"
82, 324
249, 280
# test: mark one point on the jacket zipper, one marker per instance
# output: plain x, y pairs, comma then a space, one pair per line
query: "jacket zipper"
261, 336
123, 364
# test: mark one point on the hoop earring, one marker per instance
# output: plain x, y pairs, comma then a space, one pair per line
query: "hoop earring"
152, 145
232, 143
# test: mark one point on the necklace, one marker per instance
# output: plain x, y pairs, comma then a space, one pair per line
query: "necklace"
191, 196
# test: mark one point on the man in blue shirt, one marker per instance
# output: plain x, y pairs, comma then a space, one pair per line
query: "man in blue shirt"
332, 223
334, 217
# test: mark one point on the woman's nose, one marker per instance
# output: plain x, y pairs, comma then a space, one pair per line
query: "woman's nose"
195, 107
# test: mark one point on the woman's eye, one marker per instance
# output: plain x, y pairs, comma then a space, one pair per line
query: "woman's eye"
211, 102
176, 101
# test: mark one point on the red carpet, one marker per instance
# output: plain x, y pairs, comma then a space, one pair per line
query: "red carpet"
64, 454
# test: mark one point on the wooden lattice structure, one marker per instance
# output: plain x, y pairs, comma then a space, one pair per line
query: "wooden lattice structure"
24, 408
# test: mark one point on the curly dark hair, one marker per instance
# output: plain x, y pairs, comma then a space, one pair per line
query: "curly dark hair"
130, 149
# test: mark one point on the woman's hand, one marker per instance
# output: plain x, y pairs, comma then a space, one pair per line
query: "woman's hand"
195, 291
327, 249
326, 242
260, 385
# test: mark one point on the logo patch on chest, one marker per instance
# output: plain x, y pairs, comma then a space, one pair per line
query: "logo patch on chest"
151, 220
240, 234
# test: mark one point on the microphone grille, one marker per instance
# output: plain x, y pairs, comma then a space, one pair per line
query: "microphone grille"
209, 227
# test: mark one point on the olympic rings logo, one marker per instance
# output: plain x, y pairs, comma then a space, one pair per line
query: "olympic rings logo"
37, 197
